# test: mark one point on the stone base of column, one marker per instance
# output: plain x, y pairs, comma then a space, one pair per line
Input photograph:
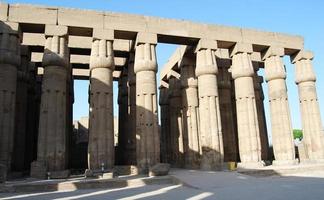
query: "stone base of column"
3, 173
63, 174
310, 161
284, 162
38, 169
251, 165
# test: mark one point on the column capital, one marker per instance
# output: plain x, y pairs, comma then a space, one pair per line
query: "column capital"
10, 43
273, 51
55, 30
188, 78
302, 55
146, 37
240, 47
206, 44
103, 34
145, 57
102, 54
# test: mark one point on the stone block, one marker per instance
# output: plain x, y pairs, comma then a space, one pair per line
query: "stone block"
302, 55
38, 169
59, 174
32, 14
160, 169
56, 30
3, 173
206, 44
106, 34
145, 37
108, 175
3, 11
80, 18
273, 51
125, 170
241, 48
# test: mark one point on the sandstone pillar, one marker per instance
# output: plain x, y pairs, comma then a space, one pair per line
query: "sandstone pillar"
51, 155
123, 133
101, 150
190, 110
209, 113
131, 142
259, 98
176, 123
247, 118
309, 106
165, 124
147, 131
226, 111
282, 135
19, 152
9, 61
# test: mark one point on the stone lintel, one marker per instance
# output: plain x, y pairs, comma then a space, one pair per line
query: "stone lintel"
173, 73
3, 11
163, 84
56, 30
103, 34
240, 47
273, 51
206, 44
146, 37
302, 55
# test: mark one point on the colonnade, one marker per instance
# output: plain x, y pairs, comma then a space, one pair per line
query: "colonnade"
212, 109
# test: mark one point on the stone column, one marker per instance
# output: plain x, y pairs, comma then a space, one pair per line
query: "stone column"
123, 133
131, 142
176, 123
33, 112
259, 98
247, 118
282, 134
147, 131
210, 119
309, 106
51, 154
190, 110
9, 61
19, 153
101, 150
165, 124
226, 111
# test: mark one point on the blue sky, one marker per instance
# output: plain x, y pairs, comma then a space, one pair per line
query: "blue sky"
299, 17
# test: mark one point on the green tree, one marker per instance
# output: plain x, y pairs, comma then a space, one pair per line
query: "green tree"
298, 134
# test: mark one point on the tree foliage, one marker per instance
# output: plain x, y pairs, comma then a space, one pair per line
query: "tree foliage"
298, 134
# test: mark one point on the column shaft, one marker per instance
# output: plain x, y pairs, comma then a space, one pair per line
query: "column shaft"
20, 137
226, 110
147, 133
176, 123
247, 119
131, 145
101, 150
165, 124
309, 106
53, 119
209, 111
9, 61
259, 98
190, 111
282, 137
